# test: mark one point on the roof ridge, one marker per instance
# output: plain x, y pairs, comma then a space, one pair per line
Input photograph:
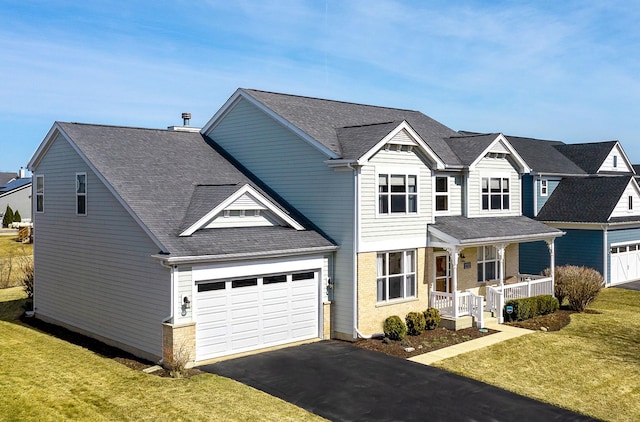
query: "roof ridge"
120, 126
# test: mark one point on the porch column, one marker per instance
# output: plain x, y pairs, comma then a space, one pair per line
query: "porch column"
501, 248
552, 265
454, 253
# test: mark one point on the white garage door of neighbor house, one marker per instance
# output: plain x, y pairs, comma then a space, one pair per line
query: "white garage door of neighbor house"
239, 315
625, 263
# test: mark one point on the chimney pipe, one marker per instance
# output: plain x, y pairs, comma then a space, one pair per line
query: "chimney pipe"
186, 117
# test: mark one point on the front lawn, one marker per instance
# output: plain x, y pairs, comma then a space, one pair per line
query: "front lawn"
44, 378
592, 366
13, 257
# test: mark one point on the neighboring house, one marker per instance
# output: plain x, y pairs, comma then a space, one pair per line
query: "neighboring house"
16, 192
285, 218
588, 191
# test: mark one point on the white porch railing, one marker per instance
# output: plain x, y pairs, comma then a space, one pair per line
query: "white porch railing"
466, 303
528, 285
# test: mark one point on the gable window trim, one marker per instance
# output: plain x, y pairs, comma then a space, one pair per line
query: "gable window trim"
81, 193
495, 193
630, 202
397, 192
544, 187
615, 161
39, 187
396, 276
441, 192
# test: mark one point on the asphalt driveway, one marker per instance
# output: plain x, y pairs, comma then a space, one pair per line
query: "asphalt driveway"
634, 285
344, 383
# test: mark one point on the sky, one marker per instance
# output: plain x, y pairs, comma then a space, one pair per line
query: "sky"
562, 70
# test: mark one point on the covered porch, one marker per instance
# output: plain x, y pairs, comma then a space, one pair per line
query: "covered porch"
479, 248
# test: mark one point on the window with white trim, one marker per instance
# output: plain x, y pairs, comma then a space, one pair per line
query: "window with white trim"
442, 193
396, 275
488, 262
81, 193
495, 193
544, 187
630, 202
397, 193
40, 193
615, 161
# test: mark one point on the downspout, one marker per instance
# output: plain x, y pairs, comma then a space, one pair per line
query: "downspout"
172, 268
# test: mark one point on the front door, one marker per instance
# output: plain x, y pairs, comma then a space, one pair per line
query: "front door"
442, 265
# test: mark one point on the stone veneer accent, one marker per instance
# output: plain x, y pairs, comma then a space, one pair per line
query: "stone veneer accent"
179, 342
326, 320
371, 315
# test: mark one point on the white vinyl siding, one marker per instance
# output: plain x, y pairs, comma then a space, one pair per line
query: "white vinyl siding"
493, 168
630, 196
298, 173
120, 293
20, 200
615, 162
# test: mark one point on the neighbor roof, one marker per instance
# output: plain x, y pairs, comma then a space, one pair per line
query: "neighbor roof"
14, 184
322, 120
588, 156
544, 157
158, 173
469, 147
7, 177
585, 200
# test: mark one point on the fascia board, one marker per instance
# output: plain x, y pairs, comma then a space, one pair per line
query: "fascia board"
203, 259
224, 204
58, 130
421, 143
16, 190
443, 236
240, 94
44, 146
524, 167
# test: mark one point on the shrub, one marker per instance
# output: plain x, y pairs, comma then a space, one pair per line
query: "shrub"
26, 265
8, 217
431, 318
16, 217
531, 306
415, 323
578, 285
394, 328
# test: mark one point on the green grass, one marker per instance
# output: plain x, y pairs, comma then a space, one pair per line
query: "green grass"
46, 379
12, 254
592, 366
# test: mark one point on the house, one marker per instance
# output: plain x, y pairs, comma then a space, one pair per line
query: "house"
284, 218
15, 191
590, 192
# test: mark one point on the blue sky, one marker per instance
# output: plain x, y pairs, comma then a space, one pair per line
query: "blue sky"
564, 70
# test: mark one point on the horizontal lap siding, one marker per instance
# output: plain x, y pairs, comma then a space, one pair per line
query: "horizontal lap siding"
622, 207
95, 272
534, 257
493, 167
581, 248
19, 200
297, 172
551, 186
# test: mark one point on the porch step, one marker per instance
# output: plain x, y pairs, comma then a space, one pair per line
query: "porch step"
456, 324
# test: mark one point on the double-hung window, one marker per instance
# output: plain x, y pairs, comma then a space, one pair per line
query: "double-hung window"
39, 193
442, 193
488, 263
544, 187
396, 275
397, 193
81, 193
495, 193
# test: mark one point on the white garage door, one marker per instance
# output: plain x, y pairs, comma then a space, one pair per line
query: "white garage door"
239, 315
625, 263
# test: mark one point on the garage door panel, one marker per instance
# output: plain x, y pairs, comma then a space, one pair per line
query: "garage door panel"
247, 317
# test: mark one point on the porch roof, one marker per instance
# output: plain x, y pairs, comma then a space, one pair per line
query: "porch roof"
459, 230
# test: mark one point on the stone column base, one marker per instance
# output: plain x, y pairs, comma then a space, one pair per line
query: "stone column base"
326, 320
179, 344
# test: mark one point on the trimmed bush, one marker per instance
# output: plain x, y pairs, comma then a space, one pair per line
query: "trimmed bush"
394, 328
530, 307
8, 217
415, 323
431, 318
577, 285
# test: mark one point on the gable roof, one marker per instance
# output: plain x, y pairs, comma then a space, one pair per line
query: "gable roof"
588, 156
155, 173
543, 156
14, 185
585, 200
7, 177
318, 120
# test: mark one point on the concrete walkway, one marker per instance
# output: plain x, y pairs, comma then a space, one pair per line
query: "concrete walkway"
506, 332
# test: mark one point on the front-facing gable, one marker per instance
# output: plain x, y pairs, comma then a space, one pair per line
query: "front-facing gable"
598, 157
474, 148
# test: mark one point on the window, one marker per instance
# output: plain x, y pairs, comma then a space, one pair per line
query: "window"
247, 282
630, 202
487, 263
495, 193
40, 193
544, 188
81, 193
396, 275
273, 279
397, 193
442, 193
210, 286
615, 161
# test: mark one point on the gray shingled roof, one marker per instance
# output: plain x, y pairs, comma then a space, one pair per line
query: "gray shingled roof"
469, 147
159, 173
6, 177
14, 184
584, 200
543, 156
588, 156
494, 229
357, 140
320, 119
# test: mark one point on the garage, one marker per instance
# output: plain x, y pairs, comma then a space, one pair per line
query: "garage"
625, 263
235, 315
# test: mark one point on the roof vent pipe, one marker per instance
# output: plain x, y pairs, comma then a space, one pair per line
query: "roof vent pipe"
186, 117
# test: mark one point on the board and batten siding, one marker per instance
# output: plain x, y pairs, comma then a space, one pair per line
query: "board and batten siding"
95, 272
396, 231
493, 167
297, 172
